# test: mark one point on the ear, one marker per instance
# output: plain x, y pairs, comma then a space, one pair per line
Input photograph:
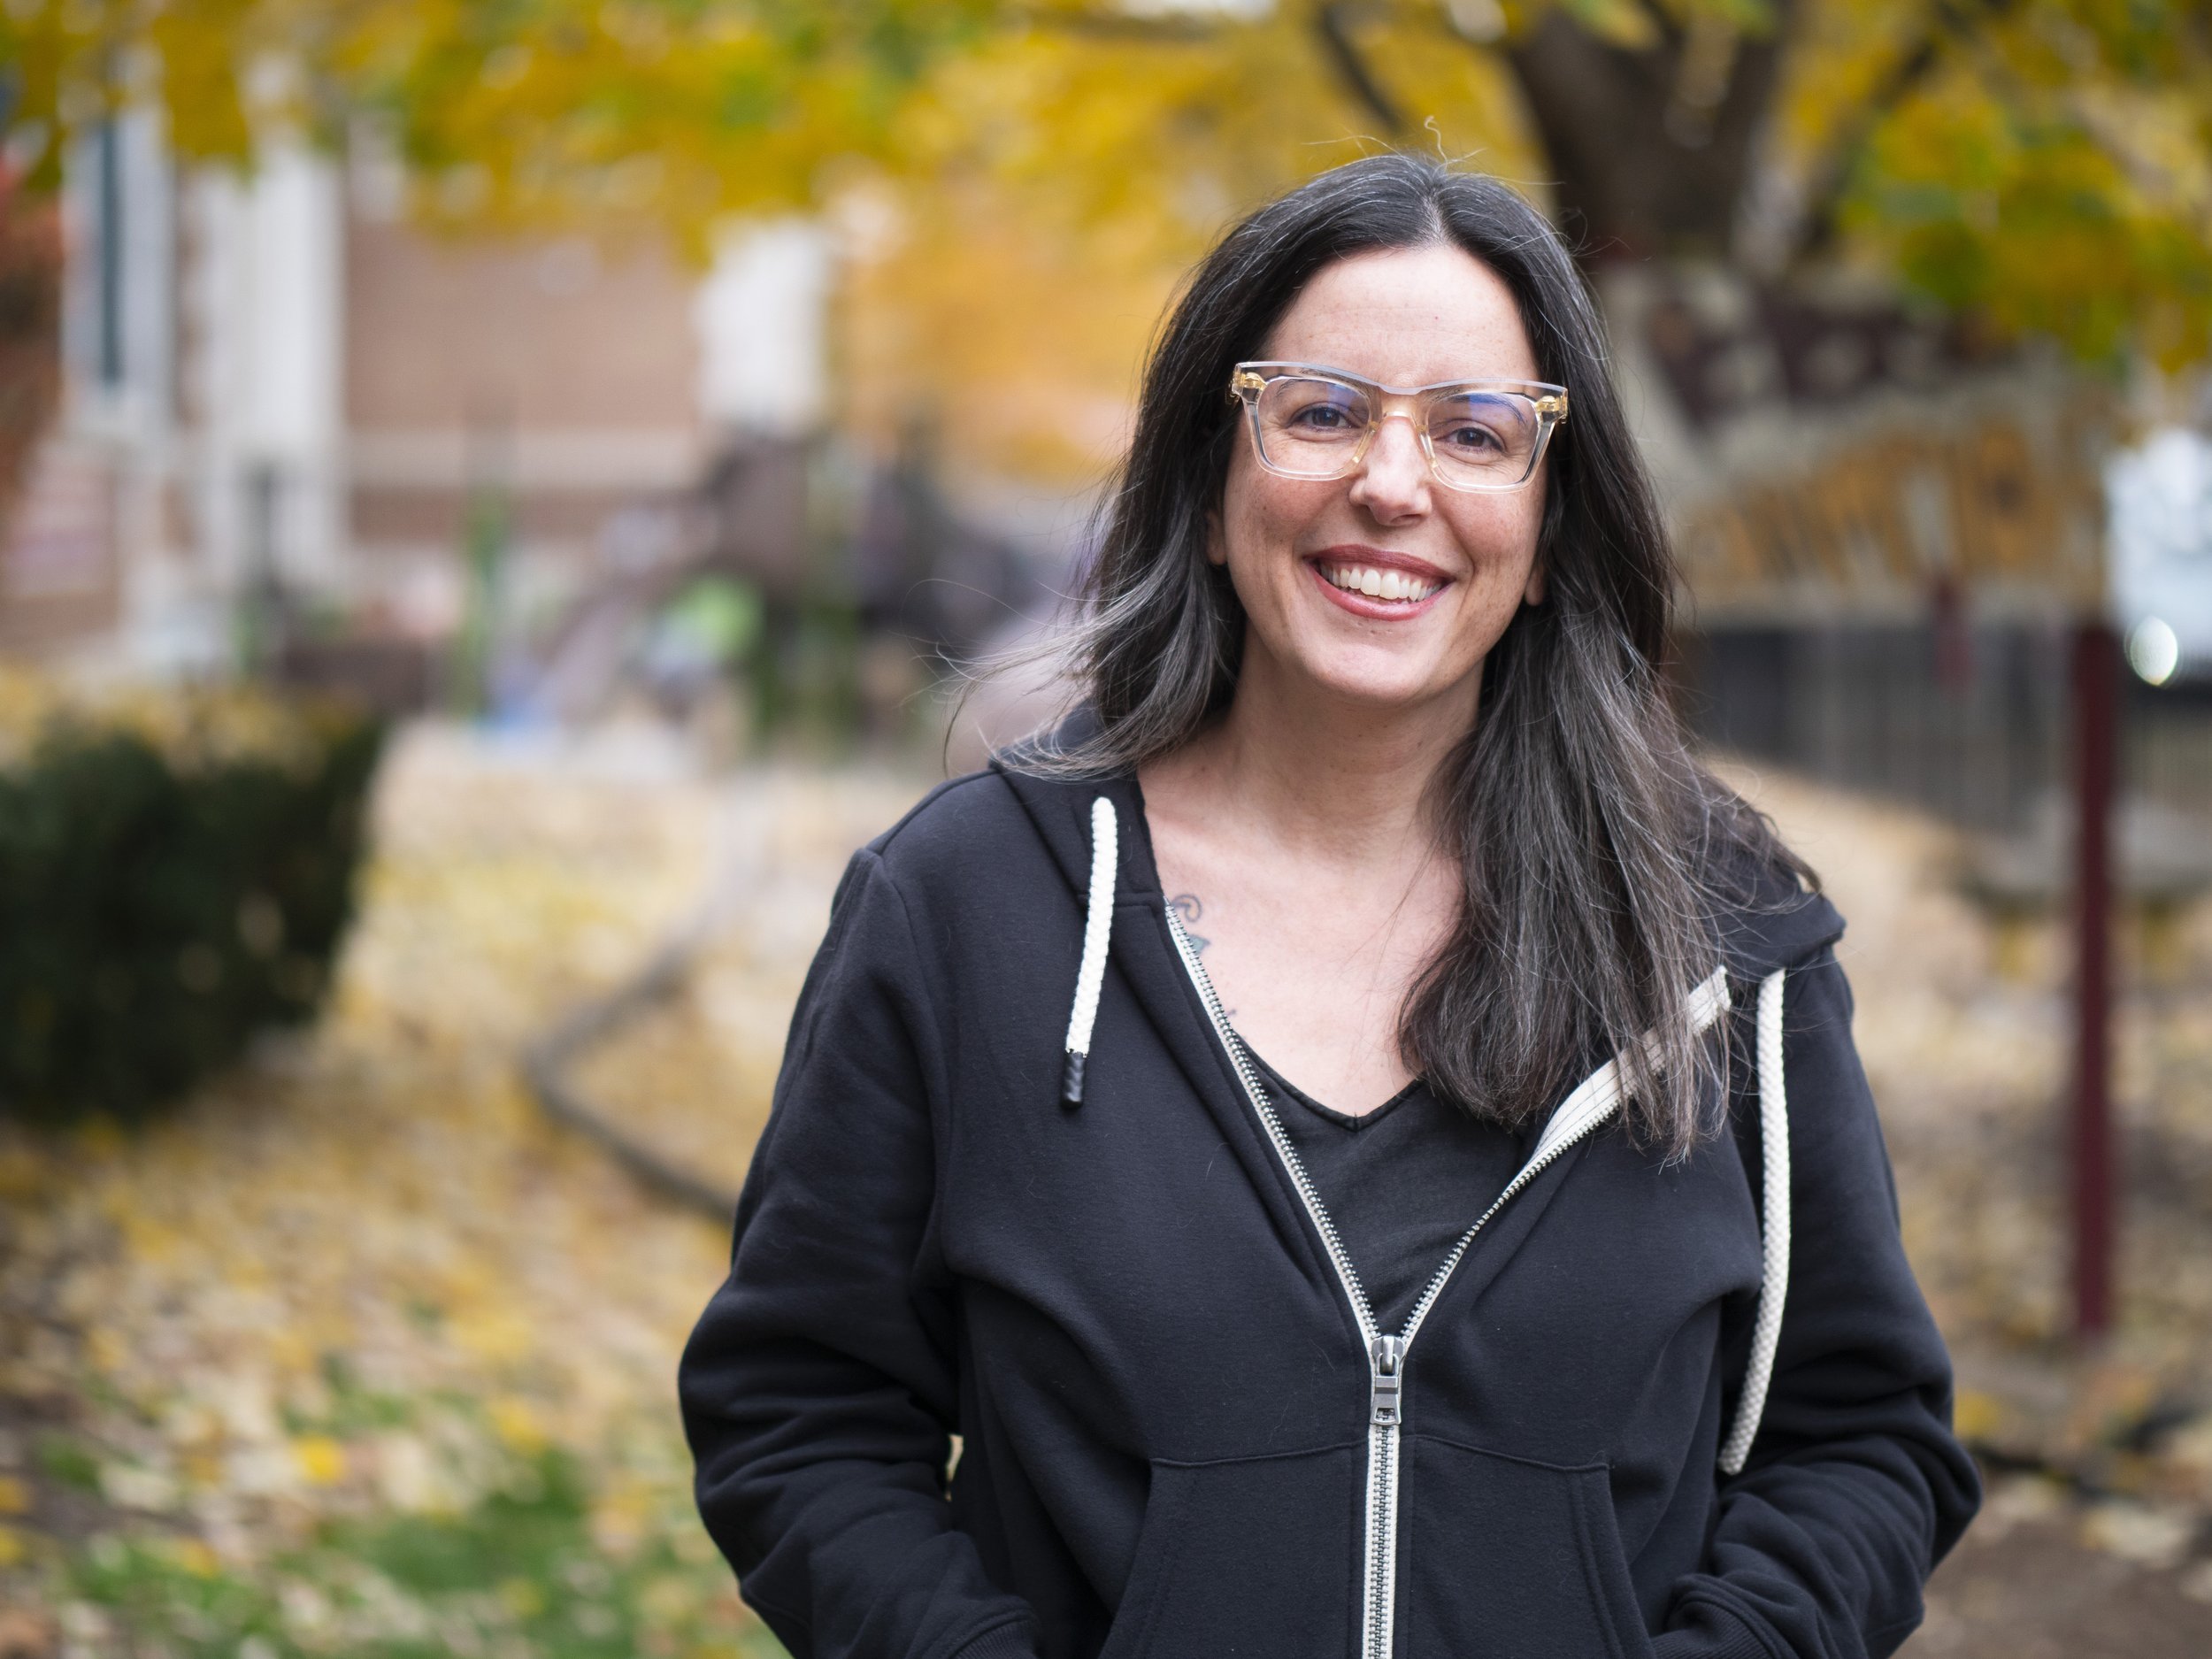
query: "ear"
1217, 544
1533, 594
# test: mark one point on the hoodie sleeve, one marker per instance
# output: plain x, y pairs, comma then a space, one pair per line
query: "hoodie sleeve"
1855, 1486
819, 1389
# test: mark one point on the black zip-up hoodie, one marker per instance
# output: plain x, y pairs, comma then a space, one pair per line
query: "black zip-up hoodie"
1178, 1436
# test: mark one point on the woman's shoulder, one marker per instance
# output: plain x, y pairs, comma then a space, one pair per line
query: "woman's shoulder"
995, 831
961, 820
1768, 907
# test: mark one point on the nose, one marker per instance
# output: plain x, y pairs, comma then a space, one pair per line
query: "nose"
1393, 482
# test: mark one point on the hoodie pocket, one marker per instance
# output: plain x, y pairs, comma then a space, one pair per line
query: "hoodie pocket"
1511, 1560
1254, 1558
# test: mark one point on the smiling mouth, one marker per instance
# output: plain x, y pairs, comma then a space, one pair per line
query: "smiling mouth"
1383, 586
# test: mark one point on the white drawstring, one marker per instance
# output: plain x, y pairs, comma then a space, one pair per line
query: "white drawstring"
1774, 1227
1098, 923
1599, 1095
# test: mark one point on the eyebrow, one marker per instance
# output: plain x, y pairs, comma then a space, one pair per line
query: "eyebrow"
1405, 391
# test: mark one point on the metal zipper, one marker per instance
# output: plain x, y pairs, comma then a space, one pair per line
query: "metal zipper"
1386, 1354
1347, 1274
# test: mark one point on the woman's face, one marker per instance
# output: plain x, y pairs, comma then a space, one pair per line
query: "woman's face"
1409, 317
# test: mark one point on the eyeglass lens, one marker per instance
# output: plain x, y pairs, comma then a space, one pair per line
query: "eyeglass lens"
1313, 427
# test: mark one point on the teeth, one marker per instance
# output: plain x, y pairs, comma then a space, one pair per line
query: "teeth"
1400, 587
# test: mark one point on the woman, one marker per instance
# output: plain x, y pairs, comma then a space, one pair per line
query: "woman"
1452, 1220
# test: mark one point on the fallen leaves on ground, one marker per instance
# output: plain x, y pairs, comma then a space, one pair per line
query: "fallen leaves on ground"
354, 1354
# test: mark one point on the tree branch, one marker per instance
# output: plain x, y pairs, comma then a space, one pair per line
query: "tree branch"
1642, 161
1666, 29
1343, 55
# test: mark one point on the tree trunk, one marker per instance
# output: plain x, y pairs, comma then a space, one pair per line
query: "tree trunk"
1651, 150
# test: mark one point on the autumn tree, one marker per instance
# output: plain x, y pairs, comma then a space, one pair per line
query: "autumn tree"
1005, 165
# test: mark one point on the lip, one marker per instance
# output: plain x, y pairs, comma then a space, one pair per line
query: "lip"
1375, 558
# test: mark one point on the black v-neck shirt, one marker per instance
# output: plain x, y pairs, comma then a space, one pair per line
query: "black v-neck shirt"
1402, 1182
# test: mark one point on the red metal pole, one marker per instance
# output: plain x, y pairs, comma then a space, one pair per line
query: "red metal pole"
2096, 739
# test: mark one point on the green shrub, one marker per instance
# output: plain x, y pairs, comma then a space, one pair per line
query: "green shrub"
176, 873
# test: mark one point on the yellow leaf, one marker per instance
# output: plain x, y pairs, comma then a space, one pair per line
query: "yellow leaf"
195, 1556
22, 1175
498, 1335
1976, 1415
518, 1423
106, 1349
524, 1599
322, 1460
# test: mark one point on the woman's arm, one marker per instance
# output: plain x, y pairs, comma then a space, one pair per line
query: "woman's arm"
819, 1389
1855, 1486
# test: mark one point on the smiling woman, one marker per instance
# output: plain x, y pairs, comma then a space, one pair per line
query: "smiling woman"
1550, 871
1373, 587
1466, 1320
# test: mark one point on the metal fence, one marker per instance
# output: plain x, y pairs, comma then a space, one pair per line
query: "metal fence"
1970, 724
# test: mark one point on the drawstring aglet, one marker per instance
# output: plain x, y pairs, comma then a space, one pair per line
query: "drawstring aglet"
1072, 1081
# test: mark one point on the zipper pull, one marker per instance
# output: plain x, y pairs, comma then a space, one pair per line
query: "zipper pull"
1387, 1358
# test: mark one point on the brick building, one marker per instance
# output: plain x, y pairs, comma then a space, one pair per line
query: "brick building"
276, 384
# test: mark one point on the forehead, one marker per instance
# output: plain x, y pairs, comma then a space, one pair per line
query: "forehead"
1407, 316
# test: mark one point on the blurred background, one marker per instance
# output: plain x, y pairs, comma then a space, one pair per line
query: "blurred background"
497, 499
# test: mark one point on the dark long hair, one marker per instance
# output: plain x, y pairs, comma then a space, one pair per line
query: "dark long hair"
1594, 848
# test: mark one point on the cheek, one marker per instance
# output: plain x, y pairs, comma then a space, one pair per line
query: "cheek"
1499, 535
1258, 522
1230, 525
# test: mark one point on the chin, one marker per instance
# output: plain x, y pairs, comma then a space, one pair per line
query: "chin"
1386, 684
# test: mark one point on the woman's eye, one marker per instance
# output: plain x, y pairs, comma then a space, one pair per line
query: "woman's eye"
1477, 438
1322, 417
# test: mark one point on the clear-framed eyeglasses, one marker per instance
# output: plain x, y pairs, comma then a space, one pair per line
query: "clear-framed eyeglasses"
1313, 422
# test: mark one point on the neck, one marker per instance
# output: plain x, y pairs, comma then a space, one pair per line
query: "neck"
1311, 769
